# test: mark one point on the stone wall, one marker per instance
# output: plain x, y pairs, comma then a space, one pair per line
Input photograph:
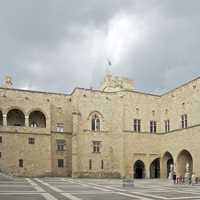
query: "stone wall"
120, 146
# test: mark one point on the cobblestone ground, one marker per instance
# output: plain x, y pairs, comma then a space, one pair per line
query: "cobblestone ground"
93, 189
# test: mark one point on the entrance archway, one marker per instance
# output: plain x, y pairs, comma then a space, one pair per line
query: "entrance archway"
167, 161
183, 159
155, 168
139, 169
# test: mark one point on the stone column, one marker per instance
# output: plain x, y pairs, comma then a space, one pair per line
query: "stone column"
162, 168
27, 121
147, 172
147, 166
4, 120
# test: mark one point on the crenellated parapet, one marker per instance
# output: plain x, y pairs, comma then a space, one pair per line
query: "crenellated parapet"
115, 83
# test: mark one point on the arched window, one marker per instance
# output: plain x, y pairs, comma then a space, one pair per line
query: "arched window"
1, 119
95, 123
37, 119
15, 117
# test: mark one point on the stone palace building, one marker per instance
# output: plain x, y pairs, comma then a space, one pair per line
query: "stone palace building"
115, 131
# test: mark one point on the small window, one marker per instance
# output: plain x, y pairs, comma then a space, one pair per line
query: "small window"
102, 164
60, 127
1, 139
31, 140
60, 145
96, 146
137, 125
184, 121
90, 164
0, 154
167, 125
153, 126
21, 163
60, 163
95, 123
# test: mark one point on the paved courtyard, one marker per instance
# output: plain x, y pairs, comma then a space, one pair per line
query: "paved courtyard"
93, 189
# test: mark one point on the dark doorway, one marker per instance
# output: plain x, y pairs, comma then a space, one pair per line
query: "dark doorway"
155, 169
139, 169
169, 163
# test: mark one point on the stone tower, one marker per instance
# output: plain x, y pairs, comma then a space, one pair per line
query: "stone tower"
115, 83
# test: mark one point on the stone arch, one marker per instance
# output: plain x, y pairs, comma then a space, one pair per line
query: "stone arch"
139, 169
155, 168
37, 119
96, 119
1, 118
7, 110
15, 117
37, 109
95, 112
184, 158
167, 161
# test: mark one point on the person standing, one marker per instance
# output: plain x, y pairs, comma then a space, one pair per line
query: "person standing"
174, 177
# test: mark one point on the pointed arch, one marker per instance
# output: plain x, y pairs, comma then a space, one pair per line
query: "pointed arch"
95, 112
184, 158
155, 168
96, 119
167, 161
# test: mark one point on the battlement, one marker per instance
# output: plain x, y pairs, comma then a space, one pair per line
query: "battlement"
116, 83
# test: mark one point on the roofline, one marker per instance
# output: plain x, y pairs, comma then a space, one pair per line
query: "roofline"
132, 91
96, 90
35, 91
180, 86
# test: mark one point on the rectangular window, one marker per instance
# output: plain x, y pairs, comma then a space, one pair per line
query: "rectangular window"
153, 127
60, 127
31, 140
167, 126
60, 163
60, 145
0, 155
102, 164
96, 146
184, 122
137, 125
90, 164
1, 139
21, 163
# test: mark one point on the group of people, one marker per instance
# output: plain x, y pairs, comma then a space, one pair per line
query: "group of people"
181, 179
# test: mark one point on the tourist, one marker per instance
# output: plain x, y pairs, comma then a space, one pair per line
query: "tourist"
174, 178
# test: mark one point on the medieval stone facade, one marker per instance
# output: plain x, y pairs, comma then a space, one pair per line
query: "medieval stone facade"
112, 132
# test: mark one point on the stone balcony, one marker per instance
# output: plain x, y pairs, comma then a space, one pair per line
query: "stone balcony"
24, 130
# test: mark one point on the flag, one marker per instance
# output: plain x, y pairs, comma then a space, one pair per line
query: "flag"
109, 62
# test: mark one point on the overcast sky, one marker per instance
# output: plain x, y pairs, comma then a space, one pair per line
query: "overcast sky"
56, 45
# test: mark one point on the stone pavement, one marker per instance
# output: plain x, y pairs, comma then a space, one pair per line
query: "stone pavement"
93, 189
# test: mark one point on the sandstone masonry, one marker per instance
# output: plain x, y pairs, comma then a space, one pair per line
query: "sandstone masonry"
112, 132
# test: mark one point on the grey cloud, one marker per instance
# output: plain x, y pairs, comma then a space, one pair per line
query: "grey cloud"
56, 45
